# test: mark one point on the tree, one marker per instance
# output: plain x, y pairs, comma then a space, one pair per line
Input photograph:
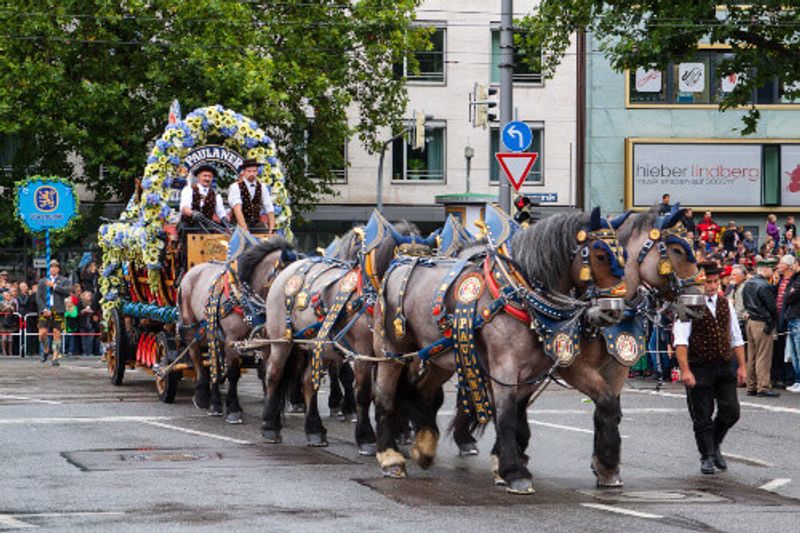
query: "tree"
95, 78
763, 37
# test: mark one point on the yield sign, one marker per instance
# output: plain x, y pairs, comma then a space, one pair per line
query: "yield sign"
516, 166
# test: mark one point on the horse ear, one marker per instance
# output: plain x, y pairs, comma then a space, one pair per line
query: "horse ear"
595, 220
398, 238
375, 230
674, 216
430, 240
620, 220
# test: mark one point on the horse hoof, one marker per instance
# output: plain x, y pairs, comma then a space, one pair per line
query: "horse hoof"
296, 408
234, 418
367, 449
336, 412
271, 436
613, 482
520, 486
394, 471
467, 449
215, 410
201, 403
498, 481
316, 440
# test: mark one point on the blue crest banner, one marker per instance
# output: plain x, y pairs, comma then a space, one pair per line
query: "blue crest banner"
46, 204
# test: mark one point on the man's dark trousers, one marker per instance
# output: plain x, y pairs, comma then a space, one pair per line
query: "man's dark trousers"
716, 382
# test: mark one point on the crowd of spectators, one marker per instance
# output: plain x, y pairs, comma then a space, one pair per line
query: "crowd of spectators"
763, 283
19, 312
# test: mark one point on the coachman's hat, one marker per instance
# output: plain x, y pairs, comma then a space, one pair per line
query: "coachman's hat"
206, 166
247, 163
710, 268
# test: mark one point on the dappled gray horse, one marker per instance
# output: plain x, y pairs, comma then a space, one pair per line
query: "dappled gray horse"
475, 316
320, 307
257, 268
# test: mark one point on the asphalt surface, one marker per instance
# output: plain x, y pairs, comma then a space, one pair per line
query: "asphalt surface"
77, 453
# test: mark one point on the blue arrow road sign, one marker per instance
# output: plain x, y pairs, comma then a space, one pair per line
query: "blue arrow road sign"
517, 136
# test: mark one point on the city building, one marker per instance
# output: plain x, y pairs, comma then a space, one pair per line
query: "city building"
653, 132
465, 53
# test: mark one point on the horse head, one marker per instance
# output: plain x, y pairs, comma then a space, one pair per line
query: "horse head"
453, 238
601, 256
663, 259
382, 240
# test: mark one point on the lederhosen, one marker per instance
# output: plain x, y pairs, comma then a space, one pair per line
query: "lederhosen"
710, 355
251, 207
206, 205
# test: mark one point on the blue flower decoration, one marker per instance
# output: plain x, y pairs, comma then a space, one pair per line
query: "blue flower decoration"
153, 199
147, 183
152, 159
162, 145
165, 212
272, 161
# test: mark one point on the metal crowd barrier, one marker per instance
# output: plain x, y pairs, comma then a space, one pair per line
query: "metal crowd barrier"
27, 336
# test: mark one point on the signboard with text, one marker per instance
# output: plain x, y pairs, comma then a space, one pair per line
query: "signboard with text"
790, 174
701, 174
46, 204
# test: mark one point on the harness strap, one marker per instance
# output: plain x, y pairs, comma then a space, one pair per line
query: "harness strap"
346, 289
302, 298
492, 276
444, 286
399, 318
473, 393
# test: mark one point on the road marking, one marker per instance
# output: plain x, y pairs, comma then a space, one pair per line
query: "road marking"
744, 459
567, 428
9, 522
195, 432
770, 408
81, 420
620, 510
632, 410
12, 521
775, 484
27, 399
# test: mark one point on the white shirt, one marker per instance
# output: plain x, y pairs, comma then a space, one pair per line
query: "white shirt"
186, 200
235, 196
682, 330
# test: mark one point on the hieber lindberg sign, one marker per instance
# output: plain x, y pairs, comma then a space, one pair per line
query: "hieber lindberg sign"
696, 174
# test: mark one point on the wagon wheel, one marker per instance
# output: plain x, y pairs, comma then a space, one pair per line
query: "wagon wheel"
167, 385
118, 348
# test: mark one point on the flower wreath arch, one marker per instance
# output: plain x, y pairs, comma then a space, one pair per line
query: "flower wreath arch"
138, 239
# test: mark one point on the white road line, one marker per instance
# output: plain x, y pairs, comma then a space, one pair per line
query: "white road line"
620, 510
746, 459
9, 522
567, 428
81, 420
26, 399
775, 484
764, 407
195, 432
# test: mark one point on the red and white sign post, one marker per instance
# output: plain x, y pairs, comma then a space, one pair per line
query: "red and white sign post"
517, 166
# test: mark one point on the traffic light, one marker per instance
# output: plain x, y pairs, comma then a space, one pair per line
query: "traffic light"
419, 130
481, 100
523, 215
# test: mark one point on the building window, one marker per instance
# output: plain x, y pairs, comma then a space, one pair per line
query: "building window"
9, 144
523, 72
431, 62
536, 175
695, 82
409, 164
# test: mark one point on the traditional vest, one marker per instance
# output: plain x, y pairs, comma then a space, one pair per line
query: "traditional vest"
711, 336
251, 207
206, 206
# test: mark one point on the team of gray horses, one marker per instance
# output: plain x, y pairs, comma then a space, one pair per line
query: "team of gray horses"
569, 297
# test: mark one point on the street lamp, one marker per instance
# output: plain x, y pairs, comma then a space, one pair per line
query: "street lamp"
469, 153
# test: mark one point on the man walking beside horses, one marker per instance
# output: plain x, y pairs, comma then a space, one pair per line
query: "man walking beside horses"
704, 349
51, 310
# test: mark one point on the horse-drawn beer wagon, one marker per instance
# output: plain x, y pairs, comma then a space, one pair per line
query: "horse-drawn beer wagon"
148, 249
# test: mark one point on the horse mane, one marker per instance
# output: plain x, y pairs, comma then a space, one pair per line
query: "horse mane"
348, 246
404, 227
250, 259
637, 223
543, 251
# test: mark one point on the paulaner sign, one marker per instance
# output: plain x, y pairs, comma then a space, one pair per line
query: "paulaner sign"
703, 174
213, 154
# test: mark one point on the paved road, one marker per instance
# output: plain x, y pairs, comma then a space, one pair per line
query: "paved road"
77, 453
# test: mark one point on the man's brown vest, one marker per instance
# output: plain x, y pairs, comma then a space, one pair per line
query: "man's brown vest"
206, 206
711, 336
251, 207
